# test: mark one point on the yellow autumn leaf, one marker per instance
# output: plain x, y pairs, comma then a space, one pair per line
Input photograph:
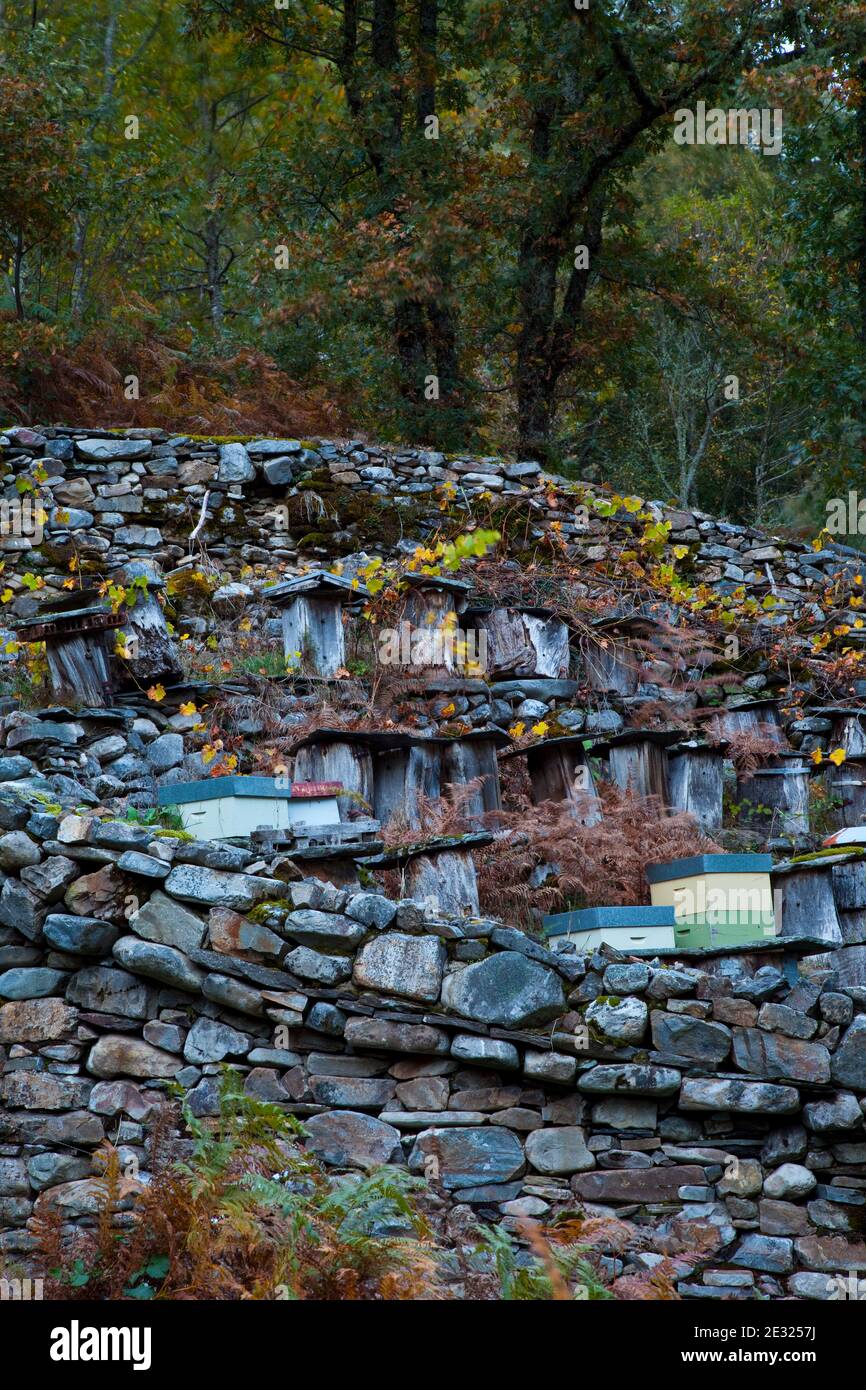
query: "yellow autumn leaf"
540, 728
517, 730
244, 625
447, 709
7, 596
188, 708
817, 757
681, 551
156, 693
837, 756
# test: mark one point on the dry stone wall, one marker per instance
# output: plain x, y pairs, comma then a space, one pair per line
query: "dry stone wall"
519, 1081
724, 1091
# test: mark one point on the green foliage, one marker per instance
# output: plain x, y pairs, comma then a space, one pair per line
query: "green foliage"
525, 1277
244, 1214
283, 239
163, 817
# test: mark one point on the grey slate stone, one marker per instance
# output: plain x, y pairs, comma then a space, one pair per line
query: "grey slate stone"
347, 1139
467, 1157
398, 963
34, 982
560, 1149
162, 963
848, 1064
486, 1052
682, 1036
507, 989
82, 936
312, 965
166, 922
105, 990
326, 931
636, 1079
772, 1254
210, 1041
372, 910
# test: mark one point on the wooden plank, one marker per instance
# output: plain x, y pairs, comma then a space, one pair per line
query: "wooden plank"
808, 905
78, 668
463, 762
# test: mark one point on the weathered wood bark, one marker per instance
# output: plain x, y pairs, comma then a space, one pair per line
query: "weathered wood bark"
639, 767
465, 761
434, 611
402, 779
761, 719
849, 732
847, 787
808, 905
313, 626
520, 643
612, 663
775, 800
695, 784
78, 668
445, 881
560, 771
849, 893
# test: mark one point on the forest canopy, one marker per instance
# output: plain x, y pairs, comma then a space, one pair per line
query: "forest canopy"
460, 223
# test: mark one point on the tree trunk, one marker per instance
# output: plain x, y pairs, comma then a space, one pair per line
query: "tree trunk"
82, 222
213, 271
16, 273
861, 140
546, 344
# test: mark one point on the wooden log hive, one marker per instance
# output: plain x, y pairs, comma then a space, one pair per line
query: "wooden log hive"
313, 632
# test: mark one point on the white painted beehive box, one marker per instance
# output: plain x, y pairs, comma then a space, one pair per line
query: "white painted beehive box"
220, 808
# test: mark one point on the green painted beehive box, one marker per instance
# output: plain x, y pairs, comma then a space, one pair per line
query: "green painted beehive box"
718, 899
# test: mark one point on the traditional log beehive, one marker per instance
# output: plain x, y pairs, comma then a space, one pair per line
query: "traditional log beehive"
312, 606
696, 781
615, 654
432, 605
73, 630
757, 717
530, 642
775, 799
440, 873
636, 761
559, 770
808, 903
392, 774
